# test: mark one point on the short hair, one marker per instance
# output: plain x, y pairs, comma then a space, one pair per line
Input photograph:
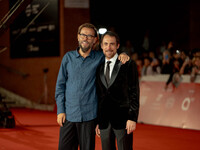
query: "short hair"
110, 33
88, 25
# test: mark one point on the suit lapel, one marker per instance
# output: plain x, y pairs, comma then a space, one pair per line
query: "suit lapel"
102, 76
113, 76
115, 72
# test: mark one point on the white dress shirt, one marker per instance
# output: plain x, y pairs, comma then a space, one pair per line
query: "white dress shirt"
113, 60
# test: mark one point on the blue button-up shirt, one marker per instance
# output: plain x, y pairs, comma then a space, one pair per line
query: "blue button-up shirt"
75, 88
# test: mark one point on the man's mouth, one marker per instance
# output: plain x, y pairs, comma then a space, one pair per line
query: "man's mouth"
84, 42
109, 51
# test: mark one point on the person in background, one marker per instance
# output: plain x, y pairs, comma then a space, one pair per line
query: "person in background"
118, 96
174, 76
147, 68
167, 64
195, 69
75, 93
139, 63
186, 67
155, 63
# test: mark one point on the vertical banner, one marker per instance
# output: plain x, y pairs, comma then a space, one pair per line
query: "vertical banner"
179, 107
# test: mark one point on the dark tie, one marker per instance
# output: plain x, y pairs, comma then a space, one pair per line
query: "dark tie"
108, 72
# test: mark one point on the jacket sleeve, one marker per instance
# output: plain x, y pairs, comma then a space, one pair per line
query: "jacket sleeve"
133, 91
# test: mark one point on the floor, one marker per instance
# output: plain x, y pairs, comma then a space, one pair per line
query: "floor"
38, 130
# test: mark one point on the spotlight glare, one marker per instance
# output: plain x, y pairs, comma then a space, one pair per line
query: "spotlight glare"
178, 51
102, 30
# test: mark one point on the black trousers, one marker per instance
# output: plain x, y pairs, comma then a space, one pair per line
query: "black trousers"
124, 140
74, 134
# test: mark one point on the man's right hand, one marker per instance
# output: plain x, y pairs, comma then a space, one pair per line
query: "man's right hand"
61, 118
97, 130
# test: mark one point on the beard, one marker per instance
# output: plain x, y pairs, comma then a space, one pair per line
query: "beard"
109, 53
84, 49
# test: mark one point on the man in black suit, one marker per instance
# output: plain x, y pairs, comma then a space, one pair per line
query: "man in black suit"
118, 97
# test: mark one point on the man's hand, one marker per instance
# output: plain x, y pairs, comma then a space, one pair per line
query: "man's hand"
130, 126
123, 57
61, 118
97, 130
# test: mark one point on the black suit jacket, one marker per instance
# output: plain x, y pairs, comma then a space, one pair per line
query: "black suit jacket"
118, 101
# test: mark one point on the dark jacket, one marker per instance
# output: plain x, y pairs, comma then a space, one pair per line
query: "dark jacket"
118, 101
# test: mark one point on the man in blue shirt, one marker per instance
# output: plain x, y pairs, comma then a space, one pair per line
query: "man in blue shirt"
75, 94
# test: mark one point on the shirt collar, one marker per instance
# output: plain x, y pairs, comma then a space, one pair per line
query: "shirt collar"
113, 59
90, 55
77, 53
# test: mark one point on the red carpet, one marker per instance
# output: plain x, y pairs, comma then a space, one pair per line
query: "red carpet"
38, 130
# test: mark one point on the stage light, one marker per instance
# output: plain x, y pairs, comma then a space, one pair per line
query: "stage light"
178, 51
102, 30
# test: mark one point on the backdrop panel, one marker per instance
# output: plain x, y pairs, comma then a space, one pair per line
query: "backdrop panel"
176, 108
35, 32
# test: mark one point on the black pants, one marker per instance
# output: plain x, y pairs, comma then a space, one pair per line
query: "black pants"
124, 140
73, 134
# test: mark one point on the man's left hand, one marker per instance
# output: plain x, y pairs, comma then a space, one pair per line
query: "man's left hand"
123, 57
130, 126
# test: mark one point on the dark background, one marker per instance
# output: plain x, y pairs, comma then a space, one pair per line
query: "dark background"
165, 20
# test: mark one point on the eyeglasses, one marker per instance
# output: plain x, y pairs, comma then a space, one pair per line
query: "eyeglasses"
89, 37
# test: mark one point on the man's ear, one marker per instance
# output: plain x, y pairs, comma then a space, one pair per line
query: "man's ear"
118, 46
95, 40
